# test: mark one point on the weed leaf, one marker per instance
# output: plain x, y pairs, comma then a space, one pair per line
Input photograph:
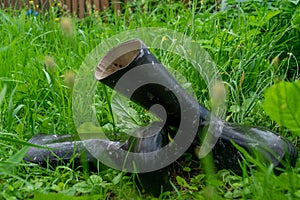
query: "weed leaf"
282, 104
124, 113
272, 14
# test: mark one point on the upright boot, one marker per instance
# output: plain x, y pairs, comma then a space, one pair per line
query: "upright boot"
131, 69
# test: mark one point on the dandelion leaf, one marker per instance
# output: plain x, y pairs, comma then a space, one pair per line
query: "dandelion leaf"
282, 102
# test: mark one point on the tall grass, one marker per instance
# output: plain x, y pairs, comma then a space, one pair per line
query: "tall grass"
40, 57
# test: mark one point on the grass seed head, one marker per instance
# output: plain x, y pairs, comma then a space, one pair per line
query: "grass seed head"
67, 27
275, 62
69, 78
50, 64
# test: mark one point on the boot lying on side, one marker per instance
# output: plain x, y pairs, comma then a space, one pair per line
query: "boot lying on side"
68, 149
132, 70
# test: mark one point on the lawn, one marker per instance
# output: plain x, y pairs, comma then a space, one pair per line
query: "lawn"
254, 44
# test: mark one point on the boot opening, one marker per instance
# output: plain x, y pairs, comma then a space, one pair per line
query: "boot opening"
118, 58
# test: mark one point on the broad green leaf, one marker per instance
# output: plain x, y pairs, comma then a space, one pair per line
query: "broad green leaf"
117, 178
187, 169
282, 104
272, 14
123, 113
296, 20
94, 180
83, 187
235, 108
181, 181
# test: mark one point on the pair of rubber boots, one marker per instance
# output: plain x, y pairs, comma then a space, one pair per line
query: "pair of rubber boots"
185, 126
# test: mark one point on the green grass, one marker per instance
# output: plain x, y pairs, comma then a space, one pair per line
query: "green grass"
40, 57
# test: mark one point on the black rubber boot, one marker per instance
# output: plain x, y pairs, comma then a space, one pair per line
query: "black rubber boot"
68, 149
131, 69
